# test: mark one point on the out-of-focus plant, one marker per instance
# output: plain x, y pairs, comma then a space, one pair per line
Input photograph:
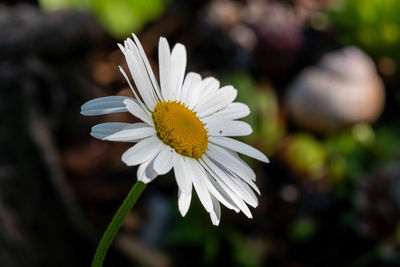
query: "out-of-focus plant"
302, 230
347, 152
387, 144
265, 118
373, 25
118, 17
305, 155
343, 155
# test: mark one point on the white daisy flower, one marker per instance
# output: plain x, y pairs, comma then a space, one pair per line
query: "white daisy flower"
186, 124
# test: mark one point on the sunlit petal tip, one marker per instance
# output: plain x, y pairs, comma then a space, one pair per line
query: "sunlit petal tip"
214, 219
122, 48
184, 202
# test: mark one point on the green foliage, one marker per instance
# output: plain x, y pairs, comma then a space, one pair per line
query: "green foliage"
118, 17
343, 155
305, 155
373, 25
347, 155
302, 230
387, 144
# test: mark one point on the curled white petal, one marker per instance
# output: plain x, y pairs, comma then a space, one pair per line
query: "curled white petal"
143, 151
146, 172
165, 160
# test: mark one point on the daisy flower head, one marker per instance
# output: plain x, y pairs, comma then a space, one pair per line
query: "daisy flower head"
187, 122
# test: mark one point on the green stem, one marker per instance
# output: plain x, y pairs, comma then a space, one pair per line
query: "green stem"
116, 223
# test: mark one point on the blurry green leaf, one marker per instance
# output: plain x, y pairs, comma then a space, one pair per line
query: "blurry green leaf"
363, 133
387, 144
186, 234
348, 152
302, 230
119, 17
211, 249
337, 168
305, 155
243, 254
373, 25
64, 4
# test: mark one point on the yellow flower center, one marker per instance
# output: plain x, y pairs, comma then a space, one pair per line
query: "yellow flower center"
178, 126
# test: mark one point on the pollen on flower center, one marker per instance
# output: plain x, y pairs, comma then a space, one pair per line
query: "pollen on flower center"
178, 126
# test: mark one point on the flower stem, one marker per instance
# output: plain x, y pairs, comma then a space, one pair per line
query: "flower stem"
116, 223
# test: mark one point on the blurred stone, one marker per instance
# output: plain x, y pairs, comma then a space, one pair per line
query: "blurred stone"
341, 90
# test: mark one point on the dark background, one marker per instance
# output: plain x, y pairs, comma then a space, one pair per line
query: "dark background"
326, 116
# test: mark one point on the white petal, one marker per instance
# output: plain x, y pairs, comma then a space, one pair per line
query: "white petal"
182, 174
103, 130
143, 151
223, 180
189, 89
228, 128
141, 71
215, 215
216, 190
226, 180
247, 179
230, 162
139, 74
184, 201
205, 91
199, 184
219, 100
136, 110
240, 147
165, 160
164, 60
119, 131
104, 105
146, 172
132, 132
138, 100
178, 67
238, 201
250, 197
148, 66
231, 112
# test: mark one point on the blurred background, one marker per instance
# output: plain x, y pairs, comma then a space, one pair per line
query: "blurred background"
321, 78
